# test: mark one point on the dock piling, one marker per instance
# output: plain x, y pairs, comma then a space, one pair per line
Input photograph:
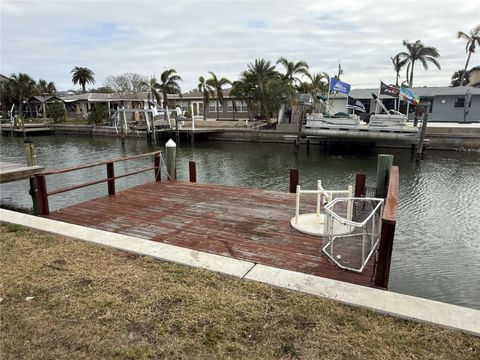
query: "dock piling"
42, 194
384, 163
422, 132
192, 169
157, 165
294, 175
171, 159
360, 184
32, 161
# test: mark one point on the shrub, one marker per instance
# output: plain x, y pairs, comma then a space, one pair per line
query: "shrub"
56, 112
98, 115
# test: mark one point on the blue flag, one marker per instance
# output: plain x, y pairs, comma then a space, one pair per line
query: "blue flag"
339, 86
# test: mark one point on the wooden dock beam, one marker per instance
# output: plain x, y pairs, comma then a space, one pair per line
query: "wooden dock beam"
384, 163
360, 184
111, 178
389, 220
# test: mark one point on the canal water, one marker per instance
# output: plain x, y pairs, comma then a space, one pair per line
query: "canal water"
437, 242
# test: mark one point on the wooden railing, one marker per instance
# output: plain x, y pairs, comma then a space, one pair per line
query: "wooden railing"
389, 220
43, 194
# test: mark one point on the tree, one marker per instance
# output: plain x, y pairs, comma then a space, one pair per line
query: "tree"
82, 76
98, 114
457, 75
292, 69
473, 39
216, 85
126, 83
261, 73
46, 88
318, 84
169, 84
398, 65
22, 86
418, 51
56, 112
206, 90
245, 89
153, 87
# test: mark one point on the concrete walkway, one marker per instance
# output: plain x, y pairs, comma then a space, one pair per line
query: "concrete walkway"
403, 306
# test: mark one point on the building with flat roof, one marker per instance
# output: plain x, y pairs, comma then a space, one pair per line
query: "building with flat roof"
447, 103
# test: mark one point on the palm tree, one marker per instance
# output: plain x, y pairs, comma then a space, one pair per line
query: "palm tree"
318, 83
245, 89
418, 51
262, 74
46, 88
82, 76
293, 68
216, 85
22, 87
398, 65
169, 84
206, 90
152, 87
473, 39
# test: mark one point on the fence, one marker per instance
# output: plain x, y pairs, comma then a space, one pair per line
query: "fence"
43, 194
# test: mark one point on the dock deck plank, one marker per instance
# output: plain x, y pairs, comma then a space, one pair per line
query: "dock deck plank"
247, 224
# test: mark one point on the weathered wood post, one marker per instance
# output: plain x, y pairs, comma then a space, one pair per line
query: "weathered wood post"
32, 161
294, 175
423, 131
389, 220
171, 159
192, 169
42, 194
384, 163
360, 184
111, 178
157, 165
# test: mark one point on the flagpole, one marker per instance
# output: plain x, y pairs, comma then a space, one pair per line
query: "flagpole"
328, 95
378, 95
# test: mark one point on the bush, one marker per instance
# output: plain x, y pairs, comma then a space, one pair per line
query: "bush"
56, 112
98, 115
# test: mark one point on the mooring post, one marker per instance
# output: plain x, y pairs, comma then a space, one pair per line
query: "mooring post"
111, 178
42, 194
192, 169
360, 184
294, 175
171, 159
423, 131
384, 163
389, 220
32, 161
157, 165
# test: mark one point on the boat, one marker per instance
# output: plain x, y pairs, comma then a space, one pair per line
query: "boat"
324, 120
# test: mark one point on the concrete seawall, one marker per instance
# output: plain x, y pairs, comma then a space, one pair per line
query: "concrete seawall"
440, 136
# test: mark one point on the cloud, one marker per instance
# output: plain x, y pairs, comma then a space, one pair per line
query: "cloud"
195, 37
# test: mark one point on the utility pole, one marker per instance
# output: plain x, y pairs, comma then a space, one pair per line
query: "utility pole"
340, 70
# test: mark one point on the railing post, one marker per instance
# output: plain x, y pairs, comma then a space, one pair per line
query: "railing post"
111, 178
42, 194
294, 174
360, 181
157, 165
192, 169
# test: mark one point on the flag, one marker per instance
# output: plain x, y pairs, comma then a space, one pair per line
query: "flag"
389, 89
339, 86
355, 104
406, 94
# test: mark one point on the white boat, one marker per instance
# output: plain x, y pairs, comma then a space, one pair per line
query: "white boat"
321, 120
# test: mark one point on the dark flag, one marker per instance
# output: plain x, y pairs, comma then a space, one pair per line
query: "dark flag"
389, 89
355, 104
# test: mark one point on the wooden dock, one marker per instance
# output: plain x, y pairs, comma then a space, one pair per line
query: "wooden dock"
247, 224
13, 172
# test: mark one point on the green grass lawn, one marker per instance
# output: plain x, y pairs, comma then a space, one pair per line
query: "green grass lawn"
89, 302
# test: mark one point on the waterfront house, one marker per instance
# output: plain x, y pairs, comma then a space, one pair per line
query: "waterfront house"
226, 111
36, 106
79, 105
474, 76
447, 104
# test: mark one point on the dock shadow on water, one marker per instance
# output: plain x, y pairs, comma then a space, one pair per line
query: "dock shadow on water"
436, 249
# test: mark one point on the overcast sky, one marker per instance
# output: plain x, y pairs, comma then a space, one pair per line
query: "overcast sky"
46, 39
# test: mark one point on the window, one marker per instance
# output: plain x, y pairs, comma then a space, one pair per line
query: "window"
212, 106
230, 106
459, 102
